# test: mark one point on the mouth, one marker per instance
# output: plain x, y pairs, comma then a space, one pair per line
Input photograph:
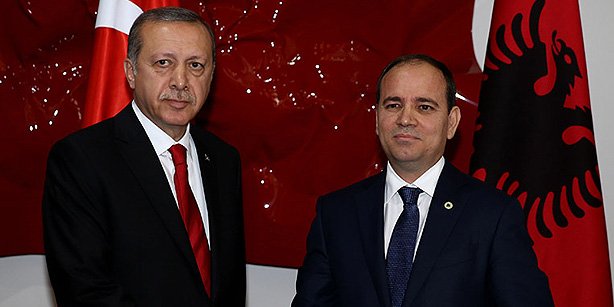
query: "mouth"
177, 103
405, 137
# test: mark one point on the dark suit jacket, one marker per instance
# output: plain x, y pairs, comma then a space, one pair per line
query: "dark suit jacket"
113, 233
476, 254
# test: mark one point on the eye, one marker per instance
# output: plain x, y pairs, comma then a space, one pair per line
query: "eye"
163, 62
391, 105
196, 65
425, 107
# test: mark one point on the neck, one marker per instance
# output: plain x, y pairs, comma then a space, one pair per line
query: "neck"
409, 171
175, 132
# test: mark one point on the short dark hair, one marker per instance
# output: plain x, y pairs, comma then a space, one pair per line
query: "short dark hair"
416, 59
163, 14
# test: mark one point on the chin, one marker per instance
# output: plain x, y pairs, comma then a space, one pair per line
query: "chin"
179, 119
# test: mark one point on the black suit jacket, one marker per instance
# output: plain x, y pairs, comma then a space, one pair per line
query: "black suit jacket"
478, 253
113, 233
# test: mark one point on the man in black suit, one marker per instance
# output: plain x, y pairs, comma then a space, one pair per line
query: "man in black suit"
421, 233
124, 223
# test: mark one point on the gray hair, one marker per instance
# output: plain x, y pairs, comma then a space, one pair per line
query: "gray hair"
163, 14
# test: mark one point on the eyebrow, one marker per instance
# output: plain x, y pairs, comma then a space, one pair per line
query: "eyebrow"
393, 98
164, 54
426, 99
174, 56
200, 58
417, 99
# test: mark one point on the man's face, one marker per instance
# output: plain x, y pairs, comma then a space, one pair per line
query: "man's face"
173, 73
413, 122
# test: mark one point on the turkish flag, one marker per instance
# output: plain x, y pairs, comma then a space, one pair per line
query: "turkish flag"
108, 92
534, 140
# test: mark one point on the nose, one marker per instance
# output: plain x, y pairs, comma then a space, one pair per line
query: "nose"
179, 78
406, 117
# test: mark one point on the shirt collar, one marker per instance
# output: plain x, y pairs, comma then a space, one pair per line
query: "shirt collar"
426, 182
158, 138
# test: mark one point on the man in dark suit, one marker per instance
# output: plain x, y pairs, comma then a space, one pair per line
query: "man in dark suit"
421, 233
144, 209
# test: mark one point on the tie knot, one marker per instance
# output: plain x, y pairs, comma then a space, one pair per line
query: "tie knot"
409, 195
178, 153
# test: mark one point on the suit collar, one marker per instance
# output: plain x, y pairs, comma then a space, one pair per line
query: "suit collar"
134, 145
209, 171
427, 182
439, 224
370, 213
160, 140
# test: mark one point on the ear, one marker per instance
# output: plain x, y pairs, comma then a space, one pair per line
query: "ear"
130, 72
376, 120
454, 118
212, 74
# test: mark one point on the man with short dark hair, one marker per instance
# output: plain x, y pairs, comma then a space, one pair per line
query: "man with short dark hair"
144, 209
421, 233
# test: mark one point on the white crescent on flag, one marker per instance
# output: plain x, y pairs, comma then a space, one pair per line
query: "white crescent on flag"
117, 14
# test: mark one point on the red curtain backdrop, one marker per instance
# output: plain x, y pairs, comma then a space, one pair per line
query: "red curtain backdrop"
534, 140
293, 91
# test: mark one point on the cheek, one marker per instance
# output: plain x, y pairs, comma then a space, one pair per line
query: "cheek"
201, 86
385, 122
151, 86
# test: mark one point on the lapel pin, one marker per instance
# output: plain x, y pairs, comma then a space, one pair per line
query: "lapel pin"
207, 158
448, 205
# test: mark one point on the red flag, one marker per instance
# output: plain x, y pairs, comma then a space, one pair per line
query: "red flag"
108, 92
534, 140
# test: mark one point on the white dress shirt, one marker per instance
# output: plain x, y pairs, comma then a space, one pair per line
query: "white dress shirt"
393, 204
161, 143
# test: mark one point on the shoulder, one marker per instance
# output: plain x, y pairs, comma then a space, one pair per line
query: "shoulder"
469, 184
211, 141
212, 146
86, 139
369, 187
124, 125
477, 193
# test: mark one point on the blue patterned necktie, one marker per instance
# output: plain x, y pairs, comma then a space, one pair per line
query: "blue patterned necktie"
402, 245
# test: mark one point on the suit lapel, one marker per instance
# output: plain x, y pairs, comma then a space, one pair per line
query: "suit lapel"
134, 145
439, 225
208, 171
370, 213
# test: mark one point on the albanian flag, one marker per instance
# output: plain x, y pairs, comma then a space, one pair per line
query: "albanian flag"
534, 140
108, 92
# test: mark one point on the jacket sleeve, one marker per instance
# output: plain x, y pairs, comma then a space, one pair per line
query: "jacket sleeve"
314, 284
76, 232
515, 277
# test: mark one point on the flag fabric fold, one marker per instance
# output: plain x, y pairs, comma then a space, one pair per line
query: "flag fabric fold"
534, 140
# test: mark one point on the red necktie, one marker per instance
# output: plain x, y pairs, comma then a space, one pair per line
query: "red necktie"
191, 215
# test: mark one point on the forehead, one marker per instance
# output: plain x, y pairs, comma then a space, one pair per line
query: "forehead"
416, 76
177, 35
